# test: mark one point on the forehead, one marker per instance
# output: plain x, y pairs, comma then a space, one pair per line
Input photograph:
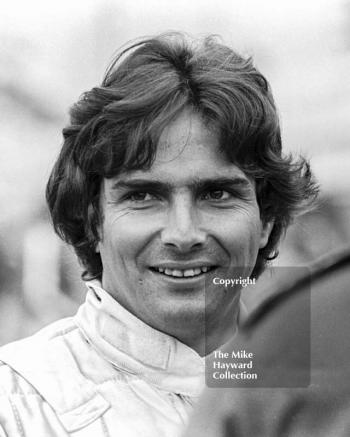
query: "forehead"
189, 149
186, 135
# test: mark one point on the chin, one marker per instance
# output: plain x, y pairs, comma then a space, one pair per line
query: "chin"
176, 312
189, 312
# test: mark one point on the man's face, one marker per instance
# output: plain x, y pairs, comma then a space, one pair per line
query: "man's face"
172, 229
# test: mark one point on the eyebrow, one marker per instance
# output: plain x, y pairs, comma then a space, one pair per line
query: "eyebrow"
197, 184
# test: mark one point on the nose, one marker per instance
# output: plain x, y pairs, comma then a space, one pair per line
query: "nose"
182, 230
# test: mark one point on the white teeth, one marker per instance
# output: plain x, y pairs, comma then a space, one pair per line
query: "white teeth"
183, 273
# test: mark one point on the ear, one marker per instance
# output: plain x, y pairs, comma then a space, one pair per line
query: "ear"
99, 242
265, 234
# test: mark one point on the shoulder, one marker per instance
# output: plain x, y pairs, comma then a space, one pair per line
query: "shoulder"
49, 372
11, 383
29, 353
20, 398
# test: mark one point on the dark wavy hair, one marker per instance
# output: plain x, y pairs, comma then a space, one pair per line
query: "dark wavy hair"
116, 127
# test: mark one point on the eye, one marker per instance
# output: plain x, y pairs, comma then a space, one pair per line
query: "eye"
140, 196
216, 195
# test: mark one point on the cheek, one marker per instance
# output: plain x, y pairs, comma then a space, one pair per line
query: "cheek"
125, 236
240, 234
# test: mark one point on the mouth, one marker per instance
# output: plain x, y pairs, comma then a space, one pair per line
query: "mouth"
183, 273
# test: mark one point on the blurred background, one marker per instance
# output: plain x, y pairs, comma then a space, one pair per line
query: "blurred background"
50, 52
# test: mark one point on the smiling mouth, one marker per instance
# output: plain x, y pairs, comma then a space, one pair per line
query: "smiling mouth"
186, 273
